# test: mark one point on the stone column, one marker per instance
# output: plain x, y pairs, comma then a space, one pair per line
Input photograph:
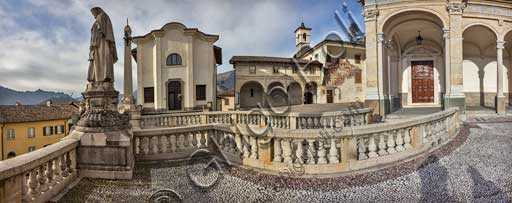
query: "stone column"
372, 98
456, 97
128, 85
383, 105
500, 97
447, 66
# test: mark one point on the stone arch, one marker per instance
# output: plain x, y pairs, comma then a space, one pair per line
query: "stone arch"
274, 84
11, 155
294, 90
491, 28
310, 90
479, 65
277, 95
386, 20
251, 94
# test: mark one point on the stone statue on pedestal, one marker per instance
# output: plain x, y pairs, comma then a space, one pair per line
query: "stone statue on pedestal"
102, 51
105, 135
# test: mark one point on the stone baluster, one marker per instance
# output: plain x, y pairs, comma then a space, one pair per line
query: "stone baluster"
245, 144
69, 162
63, 166
41, 177
321, 152
172, 142
361, 148
407, 138
163, 144
203, 135
299, 152
137, 145
154, 142
194, 139
254, 148
33, 183
382, 145
181, 140
372, 147
238, 142
145, 145
277, 151
400, 140
311, 152
50, 173
287, 151
333, 153
25, 189
391, 142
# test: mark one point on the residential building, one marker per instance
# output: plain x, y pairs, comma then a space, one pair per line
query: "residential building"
25, 128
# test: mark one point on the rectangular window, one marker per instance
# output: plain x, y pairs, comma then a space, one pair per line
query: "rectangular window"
312, 70
200, 92
48, 130
276, 69
59, 129
31, 148
10, 134
252, 69
357, 59
31, 132
226, 101
357, 77
149, 96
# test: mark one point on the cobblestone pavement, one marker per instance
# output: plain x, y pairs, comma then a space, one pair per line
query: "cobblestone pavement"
477, 171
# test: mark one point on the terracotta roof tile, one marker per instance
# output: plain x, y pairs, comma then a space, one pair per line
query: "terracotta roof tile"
31, 113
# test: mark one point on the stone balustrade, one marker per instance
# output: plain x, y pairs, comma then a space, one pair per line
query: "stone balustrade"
262, 118
40, 175
331, 149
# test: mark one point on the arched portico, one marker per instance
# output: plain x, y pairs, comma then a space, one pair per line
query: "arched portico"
411, 59
251, 94
295, 93
483, 67
310, 95
276, 95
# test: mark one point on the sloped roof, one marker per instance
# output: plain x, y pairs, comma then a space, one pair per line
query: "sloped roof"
31, 113
236, 59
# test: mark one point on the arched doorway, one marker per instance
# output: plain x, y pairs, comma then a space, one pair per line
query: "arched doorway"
276, 95
310, 93
295, 93
479, 66
174, 96
251, 94
413, 60
11, 155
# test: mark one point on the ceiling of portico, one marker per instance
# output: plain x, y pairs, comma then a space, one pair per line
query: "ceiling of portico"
479, 40
403, 28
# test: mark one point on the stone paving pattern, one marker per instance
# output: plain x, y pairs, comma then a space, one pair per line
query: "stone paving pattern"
479, 170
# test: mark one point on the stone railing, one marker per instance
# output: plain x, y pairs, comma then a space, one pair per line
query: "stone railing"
40, 175
316, 151
262, 118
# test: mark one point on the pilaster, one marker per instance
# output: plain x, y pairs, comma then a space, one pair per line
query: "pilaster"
500, 97
456, 96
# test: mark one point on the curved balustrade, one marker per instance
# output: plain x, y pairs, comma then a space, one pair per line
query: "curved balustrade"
40, 175
262, 118
328, 150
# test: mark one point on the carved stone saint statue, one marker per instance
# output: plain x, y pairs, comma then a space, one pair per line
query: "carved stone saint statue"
102, 52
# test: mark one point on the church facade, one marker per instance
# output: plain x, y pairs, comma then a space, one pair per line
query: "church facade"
438, 53
332, 71
176, 69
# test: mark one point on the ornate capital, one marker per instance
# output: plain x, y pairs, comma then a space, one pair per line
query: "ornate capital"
455, 7
371, 14
380, 37
501, 44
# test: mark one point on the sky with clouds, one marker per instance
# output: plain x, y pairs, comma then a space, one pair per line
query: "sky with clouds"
45, 43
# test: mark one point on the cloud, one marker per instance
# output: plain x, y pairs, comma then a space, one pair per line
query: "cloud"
46, 42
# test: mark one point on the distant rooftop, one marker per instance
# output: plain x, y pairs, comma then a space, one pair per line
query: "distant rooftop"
31, 113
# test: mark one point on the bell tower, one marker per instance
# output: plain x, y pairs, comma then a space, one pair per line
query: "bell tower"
302, 36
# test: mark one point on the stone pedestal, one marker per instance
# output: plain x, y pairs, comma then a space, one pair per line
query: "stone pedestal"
501, 104
105, 135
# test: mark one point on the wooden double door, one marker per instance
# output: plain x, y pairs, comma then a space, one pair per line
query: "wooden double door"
174, 95
422, 81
